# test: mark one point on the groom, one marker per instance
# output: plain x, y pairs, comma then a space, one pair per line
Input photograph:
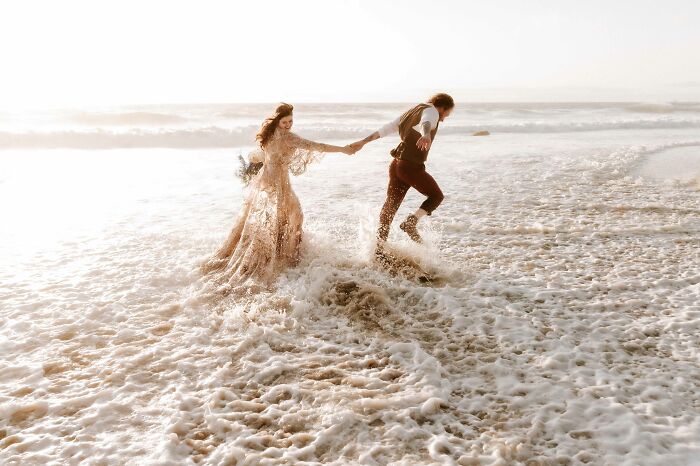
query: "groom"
417, 128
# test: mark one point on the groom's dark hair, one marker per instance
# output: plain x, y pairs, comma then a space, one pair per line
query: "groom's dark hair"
442, 100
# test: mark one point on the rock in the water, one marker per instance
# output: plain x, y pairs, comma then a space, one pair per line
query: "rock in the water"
481, 133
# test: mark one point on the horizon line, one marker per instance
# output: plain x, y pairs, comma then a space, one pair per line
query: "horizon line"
348, 102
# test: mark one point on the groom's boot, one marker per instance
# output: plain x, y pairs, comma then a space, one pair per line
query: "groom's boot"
381, 255
409, 226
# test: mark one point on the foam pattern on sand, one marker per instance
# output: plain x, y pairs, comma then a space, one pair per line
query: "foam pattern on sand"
562, 328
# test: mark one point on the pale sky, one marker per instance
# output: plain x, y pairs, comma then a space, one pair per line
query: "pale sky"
57, 53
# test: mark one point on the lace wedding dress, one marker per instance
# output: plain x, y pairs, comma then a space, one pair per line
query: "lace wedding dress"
266, 235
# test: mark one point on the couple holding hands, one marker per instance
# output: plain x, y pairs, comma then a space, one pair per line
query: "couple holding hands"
266, 236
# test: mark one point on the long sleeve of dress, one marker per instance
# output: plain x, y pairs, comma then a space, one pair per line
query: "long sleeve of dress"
303, 152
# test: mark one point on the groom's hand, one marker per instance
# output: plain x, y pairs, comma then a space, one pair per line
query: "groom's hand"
423, 143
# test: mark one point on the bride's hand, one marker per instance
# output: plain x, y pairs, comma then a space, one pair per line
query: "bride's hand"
349, 150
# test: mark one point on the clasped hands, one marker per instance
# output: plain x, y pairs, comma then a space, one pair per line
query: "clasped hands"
350, 149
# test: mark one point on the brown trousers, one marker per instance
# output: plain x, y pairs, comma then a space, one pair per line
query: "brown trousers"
404, 175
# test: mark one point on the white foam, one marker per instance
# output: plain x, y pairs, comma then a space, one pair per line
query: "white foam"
679, 164
563, 329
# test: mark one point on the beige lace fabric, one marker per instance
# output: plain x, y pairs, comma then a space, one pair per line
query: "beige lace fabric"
266, 236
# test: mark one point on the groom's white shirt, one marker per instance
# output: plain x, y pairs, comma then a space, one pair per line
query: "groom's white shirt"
429, 114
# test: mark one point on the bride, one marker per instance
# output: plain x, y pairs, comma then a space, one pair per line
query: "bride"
266, 236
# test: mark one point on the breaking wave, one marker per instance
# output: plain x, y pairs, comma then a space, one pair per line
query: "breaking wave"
662, 107
218, 137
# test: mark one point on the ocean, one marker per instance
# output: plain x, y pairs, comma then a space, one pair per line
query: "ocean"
562, 327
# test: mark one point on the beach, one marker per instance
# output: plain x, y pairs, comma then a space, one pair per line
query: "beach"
562, 326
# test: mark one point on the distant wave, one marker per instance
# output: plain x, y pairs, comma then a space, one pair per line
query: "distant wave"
663, 107
217, 137
329, 113
566, 127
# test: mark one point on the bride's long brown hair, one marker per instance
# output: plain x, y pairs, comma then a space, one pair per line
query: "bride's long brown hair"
270, 124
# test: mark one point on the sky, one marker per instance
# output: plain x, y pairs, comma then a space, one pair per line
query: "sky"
151, 51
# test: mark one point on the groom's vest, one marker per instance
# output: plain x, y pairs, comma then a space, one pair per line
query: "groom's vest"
407, 149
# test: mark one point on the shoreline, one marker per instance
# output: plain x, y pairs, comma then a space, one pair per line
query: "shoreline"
681, 164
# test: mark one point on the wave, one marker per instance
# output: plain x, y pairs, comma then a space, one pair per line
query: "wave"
671, 145
567, 127
650, 108
662, 107
218, 137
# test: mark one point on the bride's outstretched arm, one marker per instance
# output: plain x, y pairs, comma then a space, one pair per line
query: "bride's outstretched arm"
322, 147
331, 148
302, 143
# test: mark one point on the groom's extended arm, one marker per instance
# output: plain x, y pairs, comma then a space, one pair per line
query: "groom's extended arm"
357, 145
429, 119
387, 129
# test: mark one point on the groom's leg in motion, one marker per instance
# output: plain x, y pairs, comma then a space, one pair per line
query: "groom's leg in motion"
395, 193
429, 187
425, 184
